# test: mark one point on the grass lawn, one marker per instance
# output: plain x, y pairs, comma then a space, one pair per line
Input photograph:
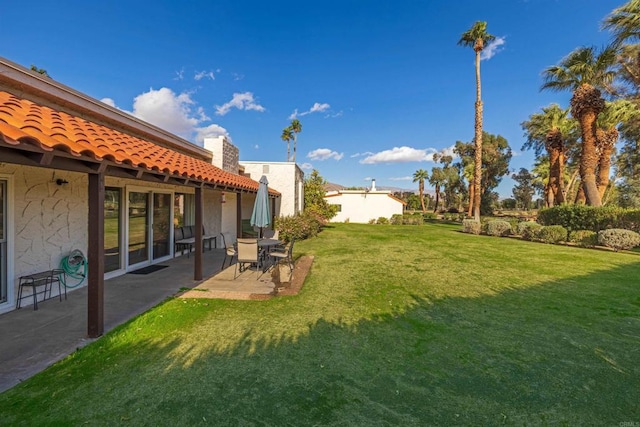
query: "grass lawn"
395, 325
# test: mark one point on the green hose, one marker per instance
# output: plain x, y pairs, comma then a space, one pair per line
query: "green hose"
75, 266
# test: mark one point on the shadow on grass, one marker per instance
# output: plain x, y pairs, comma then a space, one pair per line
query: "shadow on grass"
559, 353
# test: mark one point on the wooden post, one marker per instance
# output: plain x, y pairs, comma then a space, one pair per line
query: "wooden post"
95, 257
197, 268
239, 214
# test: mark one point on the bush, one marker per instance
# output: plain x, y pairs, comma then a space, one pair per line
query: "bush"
372, 221
581, 217
300, 226
383, 220
552, 234
529, 230
471, 226
396, 219
618, 238
498, 228
413, 219
584, 238
429, 215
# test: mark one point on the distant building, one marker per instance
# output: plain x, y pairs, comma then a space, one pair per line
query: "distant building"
362, 206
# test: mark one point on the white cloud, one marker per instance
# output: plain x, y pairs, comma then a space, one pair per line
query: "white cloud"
306, 166
179, 75
324, 154
366, 153
241, 101
166, 109
315, 108
492, 48
110, 102
210, 131
204, 74
401, 178
400, 155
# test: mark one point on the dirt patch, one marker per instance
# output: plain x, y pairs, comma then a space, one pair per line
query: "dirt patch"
301, 268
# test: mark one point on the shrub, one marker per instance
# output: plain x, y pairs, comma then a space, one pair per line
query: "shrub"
471, 226
396, 219
300, 226
529, 230
580, 217
618, 238
413, 219
498, 228
383, 220
372, 221
429, 215
552, 234
584, 238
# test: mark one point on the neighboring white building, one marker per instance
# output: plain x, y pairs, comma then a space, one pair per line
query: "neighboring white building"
285, 177
362, 206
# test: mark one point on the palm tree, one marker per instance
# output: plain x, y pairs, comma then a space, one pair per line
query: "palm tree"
420, 176
296, 128
613, 114
436, 179
287, 136
476, 38
624, 22
584, 71
553, 131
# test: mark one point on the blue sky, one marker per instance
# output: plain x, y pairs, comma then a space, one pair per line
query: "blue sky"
378, 86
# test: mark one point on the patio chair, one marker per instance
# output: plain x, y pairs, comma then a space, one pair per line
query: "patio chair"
229, 249
285, 254
247, 254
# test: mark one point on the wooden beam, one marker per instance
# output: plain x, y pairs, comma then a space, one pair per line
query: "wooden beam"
95, 257
197, 268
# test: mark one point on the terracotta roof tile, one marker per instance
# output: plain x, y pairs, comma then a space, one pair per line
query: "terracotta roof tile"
25, 122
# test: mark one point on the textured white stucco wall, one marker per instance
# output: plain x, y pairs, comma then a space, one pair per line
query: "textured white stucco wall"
284, 177
361, 207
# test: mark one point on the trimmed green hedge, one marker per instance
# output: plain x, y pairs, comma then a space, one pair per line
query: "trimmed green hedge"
581, 217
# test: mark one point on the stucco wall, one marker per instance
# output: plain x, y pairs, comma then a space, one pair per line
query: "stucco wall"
284, 177
361, 207
49, 220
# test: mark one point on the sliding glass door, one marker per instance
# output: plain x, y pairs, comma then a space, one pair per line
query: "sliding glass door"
161, 225
3, 242
138, 227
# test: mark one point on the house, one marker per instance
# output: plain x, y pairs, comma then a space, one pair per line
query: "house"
362, 206
76, 173
287, 177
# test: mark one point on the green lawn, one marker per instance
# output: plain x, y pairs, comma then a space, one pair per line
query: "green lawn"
395, 325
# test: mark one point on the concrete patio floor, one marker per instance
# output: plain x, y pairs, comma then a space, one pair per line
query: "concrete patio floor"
33, 340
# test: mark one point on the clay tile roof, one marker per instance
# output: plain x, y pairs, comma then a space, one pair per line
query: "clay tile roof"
24, 122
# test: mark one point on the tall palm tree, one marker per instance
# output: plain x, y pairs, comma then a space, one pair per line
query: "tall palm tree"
296, 128
287, 136
553, 131
613, 114
585, 71
436, 179
420, 176
476, 38
624, 22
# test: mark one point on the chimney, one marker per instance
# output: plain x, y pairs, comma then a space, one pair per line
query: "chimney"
373, 184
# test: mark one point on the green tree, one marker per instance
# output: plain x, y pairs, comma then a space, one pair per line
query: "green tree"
40, 71
287, 136
624, 22
523, 191
496, 155
314, 200
420, 176
553, 131
476, 38
585, 72
437, 178
296, 128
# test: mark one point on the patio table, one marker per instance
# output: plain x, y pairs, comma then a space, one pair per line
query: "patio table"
265, 245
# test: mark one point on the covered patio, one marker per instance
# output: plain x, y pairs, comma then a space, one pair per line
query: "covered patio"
36, 339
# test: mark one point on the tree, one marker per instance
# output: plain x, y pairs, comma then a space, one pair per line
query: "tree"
436, 179
584, 71
476, 38
523, 190
40, 71
614, 113
314, 200
296, 128
420, 176
287, 136
624, 22
553, 131
496, 155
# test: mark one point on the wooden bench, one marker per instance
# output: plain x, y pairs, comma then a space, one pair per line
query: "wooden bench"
184, 238
44, 279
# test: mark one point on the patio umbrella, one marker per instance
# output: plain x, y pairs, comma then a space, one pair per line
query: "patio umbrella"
261, 215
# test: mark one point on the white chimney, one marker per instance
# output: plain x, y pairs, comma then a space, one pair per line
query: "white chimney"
373, 185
